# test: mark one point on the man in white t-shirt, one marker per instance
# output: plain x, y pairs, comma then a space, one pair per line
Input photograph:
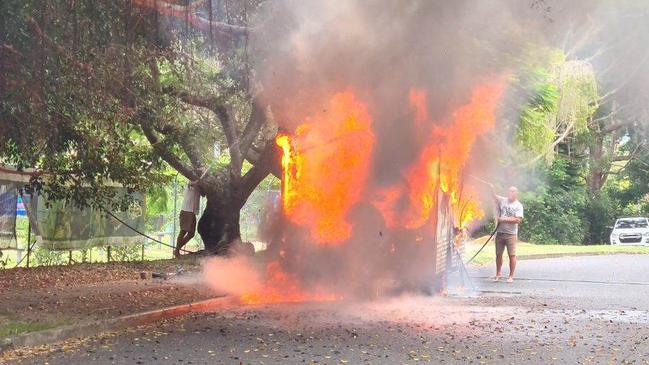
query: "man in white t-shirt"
188, 213
510, 214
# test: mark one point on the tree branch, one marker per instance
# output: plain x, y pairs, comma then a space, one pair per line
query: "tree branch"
257, 173
609, 115
166, 154
185, 142
187, 13
615, 126
556, 142
233, 141
256, 121
192, 99
183, 139
633, 154
39, 32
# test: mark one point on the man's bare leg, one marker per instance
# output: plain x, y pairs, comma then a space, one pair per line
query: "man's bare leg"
499, 266
512, 268
180, 242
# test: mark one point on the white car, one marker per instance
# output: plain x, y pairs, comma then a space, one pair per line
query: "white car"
630, 231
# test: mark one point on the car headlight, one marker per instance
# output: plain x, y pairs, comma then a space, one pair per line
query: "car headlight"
614, 235
645, 235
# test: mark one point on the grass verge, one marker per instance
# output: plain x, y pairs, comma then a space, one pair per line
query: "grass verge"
14, 328
527, 250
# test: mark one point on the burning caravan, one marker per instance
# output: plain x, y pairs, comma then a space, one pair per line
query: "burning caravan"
376, 261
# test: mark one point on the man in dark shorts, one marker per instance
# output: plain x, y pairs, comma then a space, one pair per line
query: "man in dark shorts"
188, 213
510, 214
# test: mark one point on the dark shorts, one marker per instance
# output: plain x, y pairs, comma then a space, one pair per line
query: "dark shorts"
187, 221
506, 240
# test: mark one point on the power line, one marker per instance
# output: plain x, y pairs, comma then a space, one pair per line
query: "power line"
141, 233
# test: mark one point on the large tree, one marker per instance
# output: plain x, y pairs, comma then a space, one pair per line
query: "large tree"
98, 91
588, 99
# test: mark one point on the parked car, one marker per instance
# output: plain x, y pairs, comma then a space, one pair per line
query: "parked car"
630, 231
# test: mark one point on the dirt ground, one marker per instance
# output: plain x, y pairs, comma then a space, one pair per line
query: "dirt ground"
46, 297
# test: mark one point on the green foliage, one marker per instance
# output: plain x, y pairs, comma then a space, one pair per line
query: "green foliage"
553, 137
579, 95
554, 217
563, 96
554, 214
631, 187
84, 80
600, 214
15, 327
535, 130
45, 257
127, 253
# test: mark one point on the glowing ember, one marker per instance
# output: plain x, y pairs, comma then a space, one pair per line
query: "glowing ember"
325, 168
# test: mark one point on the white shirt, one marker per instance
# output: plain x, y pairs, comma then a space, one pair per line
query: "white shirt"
191, 199
509, 209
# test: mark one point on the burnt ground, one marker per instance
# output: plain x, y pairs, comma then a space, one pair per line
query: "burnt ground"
47, 297
587, 318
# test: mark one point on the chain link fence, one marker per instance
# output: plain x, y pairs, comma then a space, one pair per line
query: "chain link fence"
161, 227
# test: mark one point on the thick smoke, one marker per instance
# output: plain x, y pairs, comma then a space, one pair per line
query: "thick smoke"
382, 49
379, 50
307, 51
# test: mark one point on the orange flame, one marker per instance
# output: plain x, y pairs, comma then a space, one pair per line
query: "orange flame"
326, 166
442, 161
469, 122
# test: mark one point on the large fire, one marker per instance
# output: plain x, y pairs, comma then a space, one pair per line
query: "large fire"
326, 168
441, 162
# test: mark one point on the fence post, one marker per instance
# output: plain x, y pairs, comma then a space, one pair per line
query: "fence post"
69, 257
108, 258
29, 239
30, 218
142, 252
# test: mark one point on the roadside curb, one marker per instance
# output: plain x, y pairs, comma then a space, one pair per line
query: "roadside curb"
93, 328
557, 255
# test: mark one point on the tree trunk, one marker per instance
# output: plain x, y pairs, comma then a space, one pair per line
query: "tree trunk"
219, 224
598, 166
226, 194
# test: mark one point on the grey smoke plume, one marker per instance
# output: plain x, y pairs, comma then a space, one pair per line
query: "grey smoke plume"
381, 49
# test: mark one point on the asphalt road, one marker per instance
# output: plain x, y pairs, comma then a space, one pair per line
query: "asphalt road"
591, 317
607, 281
